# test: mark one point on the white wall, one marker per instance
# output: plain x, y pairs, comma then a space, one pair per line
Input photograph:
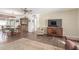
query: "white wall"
69, 21
78, 22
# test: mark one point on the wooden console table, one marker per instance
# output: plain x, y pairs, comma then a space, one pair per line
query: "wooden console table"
55, 31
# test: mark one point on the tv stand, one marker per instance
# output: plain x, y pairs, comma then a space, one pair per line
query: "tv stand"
55, 31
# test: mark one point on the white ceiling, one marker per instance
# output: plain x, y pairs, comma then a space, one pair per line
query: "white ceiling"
11, 11
46, 10
19, 11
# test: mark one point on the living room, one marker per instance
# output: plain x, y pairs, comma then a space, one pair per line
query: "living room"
35, 23
69, 21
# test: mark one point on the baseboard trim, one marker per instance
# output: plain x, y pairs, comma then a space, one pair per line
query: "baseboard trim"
73, 37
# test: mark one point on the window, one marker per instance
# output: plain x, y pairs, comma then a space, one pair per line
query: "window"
3, 22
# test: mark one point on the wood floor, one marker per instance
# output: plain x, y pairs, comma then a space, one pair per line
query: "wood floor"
54, 41
26, 44
47, 40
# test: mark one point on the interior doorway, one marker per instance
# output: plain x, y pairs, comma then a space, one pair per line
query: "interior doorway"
33, 23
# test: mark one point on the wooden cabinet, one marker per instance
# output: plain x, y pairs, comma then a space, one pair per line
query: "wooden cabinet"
55, 31
24, 24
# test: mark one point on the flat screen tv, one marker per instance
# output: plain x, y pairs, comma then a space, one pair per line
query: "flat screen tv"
52, 23
55, 22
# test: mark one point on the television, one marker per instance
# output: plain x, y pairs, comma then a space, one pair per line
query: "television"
52, 23
55, 23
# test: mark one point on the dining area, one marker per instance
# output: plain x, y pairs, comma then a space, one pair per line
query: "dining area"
3, 34
8, 28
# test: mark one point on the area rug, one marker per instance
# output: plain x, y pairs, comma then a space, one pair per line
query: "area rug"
26, 44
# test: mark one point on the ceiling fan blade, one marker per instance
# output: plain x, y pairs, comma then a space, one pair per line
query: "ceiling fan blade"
26, 10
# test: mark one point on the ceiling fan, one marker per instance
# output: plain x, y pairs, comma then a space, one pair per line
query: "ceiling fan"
25, 10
